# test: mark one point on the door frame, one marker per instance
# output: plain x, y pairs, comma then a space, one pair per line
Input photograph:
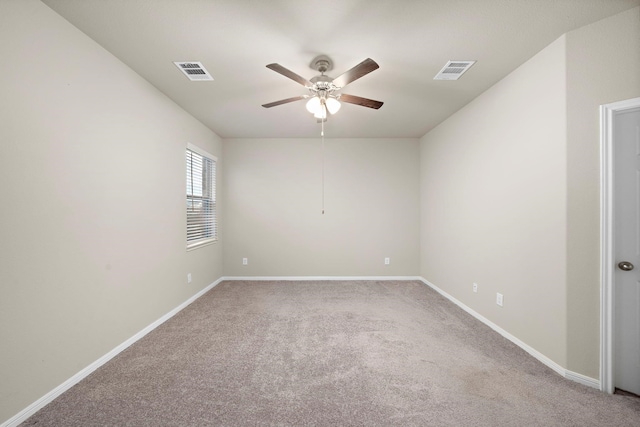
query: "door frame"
607, 239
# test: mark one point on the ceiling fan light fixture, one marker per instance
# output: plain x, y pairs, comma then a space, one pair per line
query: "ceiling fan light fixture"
321, 113
333, 105
313, 105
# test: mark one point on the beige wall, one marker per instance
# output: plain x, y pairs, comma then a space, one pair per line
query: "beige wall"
510, 192
603, 66
493, 196
273, 207
92, 211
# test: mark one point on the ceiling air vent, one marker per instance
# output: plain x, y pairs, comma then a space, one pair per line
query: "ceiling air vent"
453, 70
195, 71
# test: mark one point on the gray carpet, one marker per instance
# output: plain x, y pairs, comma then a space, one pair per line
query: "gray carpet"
366, 353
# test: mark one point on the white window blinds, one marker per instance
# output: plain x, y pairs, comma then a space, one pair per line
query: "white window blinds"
202, 227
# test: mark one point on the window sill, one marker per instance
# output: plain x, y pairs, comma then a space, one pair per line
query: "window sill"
201, 244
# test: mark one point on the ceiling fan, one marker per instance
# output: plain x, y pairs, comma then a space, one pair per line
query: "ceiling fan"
324, 93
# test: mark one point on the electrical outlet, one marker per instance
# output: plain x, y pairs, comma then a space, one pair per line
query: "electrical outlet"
245, 261
387, 261
499, 299
475, 287
189, 278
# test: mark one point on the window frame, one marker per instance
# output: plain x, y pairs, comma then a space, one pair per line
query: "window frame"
205, 241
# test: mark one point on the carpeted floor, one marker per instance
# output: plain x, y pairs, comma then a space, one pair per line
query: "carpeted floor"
362, 353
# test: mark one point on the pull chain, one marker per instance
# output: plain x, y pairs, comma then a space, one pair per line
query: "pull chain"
322, 135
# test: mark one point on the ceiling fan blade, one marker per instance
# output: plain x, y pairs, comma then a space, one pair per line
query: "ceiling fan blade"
365, 102
288, 73
363, 68
284, 101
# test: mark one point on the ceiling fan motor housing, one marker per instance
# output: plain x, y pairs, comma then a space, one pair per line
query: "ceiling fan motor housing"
322, 82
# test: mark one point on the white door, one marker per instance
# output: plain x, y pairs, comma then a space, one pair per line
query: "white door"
626, 147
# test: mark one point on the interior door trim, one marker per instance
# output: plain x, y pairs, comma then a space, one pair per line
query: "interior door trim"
607, 238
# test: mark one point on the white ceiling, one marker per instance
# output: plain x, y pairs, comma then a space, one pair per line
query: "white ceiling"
411, 40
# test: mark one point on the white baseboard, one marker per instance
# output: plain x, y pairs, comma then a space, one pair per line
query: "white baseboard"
49, 397
318, 278
582, 379
573, 376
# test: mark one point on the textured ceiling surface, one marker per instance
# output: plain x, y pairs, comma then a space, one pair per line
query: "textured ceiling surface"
411, 40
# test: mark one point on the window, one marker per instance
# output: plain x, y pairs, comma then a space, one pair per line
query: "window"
202, 224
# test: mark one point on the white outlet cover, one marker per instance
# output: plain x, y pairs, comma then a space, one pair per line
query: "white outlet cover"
189, 278
499, 299
245, 261
475, 287
387, 261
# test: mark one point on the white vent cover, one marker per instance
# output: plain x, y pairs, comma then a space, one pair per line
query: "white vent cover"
453, 70
195, 71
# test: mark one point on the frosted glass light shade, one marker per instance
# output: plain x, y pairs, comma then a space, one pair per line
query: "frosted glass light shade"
321, 113
333, 105
313, 105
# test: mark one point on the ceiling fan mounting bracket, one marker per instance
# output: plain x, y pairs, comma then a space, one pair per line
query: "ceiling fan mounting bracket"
322, 64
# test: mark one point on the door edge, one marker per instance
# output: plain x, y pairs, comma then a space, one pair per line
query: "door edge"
607, 239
